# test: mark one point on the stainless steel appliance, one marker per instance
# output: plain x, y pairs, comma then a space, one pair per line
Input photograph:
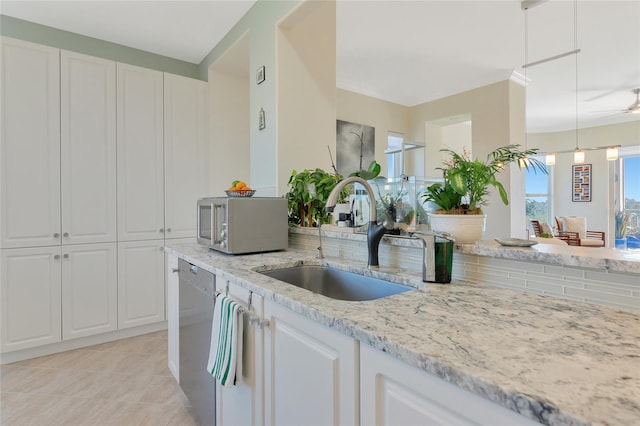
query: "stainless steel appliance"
196, 300
238, 225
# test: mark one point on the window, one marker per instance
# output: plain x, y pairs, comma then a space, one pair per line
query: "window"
538, 194
630, 177
395, 159
400, 162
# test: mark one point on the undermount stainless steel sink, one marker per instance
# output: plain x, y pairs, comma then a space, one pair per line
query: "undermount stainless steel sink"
337, 284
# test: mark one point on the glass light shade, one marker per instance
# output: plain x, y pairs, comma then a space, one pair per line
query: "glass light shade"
578, 157
612, 153
550, 160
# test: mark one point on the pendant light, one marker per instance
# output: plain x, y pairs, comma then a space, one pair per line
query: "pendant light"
612, 153
550, 159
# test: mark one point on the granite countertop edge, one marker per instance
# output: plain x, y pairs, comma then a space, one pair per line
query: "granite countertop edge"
341, 316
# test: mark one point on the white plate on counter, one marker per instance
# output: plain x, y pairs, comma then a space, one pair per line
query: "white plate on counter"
515, 242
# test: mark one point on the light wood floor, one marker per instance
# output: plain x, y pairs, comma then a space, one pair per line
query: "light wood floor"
125, 382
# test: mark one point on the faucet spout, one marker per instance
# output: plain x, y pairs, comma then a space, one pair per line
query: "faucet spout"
375, 232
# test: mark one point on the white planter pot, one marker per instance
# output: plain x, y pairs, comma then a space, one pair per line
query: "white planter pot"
465, 228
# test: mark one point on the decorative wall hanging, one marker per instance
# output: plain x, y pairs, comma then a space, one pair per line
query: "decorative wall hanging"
581, 182
355, 147
261, 120
260, 75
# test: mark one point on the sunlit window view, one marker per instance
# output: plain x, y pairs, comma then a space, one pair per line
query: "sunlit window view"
631, 194
537, 193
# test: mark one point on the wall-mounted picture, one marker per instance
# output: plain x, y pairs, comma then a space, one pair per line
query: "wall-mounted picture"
260, 75
355, 147
581, 182
261, 120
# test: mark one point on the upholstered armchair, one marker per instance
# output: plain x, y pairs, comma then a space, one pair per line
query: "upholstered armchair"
578, 225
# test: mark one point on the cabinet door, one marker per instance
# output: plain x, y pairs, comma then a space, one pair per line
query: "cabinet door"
185, 153
140, 283
140, 154
89, 290
88, 149
311, 372
30, 297
173, 316
394, 393
242, 404
29, 145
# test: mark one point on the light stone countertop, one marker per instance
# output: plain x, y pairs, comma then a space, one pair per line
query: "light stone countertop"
556, 361
626, 261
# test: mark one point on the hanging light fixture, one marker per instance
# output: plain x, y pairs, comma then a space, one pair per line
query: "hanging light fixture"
578, 155
550, 159
612, 153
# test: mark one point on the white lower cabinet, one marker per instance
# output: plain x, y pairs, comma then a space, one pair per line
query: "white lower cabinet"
311, 372
394, 393
242, 404
30, 308
51, 294
89, 289
140, 283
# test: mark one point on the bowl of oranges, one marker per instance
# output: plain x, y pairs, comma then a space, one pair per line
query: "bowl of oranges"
239, 189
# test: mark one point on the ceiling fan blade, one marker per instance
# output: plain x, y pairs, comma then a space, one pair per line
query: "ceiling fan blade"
619, 111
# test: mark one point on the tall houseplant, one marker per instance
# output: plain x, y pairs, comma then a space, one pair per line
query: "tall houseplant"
466, 188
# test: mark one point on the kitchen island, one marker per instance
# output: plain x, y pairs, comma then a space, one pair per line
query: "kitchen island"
551, 360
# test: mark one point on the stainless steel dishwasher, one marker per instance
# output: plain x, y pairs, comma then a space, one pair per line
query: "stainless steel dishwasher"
196, 298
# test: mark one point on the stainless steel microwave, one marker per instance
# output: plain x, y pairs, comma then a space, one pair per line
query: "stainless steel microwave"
238, 225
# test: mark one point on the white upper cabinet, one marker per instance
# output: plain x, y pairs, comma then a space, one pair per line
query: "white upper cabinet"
185, 153
29, 145
88, 149
140, 153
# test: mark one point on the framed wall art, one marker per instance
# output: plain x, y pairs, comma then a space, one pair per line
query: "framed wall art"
581, 182
355, 146
260, 75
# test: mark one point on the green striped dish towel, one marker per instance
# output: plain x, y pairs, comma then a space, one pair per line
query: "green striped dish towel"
225, 353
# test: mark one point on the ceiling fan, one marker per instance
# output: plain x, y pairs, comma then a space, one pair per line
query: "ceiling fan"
634, 108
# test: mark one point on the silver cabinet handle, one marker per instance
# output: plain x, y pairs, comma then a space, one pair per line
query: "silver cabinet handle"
66, 234
261, 323
175, 270
161, 230
168, 229
56, 235
56, 256
66, 255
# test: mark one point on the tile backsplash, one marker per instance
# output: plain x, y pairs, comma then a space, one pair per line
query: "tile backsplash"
619, 290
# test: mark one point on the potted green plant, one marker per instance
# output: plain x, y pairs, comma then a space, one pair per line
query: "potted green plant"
466, 189
308, 193
621, 227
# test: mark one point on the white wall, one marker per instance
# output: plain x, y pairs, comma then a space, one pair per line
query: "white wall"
229, 113
306, 90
